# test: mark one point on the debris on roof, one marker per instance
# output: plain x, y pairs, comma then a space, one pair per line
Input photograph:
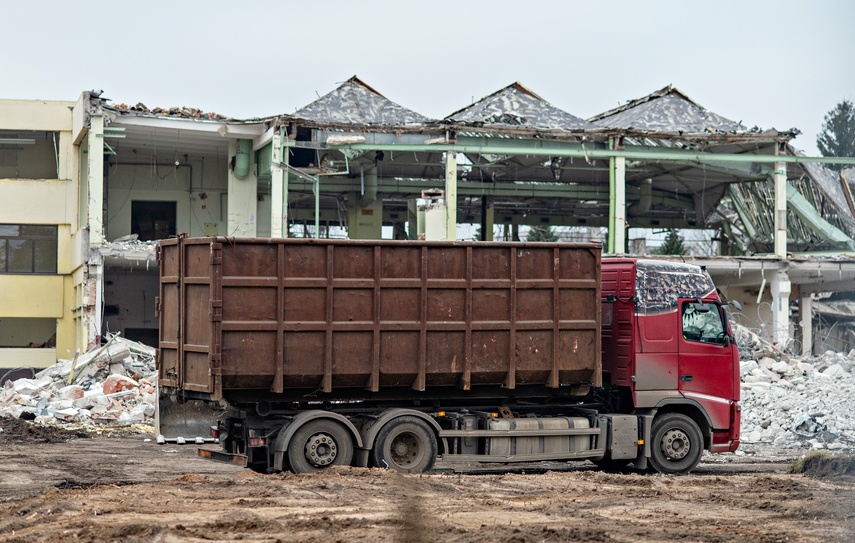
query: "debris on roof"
129, 248
517, 106
183, 112
355, 103
668, 110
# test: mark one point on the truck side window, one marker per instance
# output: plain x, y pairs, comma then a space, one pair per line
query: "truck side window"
705, 326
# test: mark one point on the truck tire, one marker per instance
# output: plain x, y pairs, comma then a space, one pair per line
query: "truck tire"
676, 444
405, 444
319, 444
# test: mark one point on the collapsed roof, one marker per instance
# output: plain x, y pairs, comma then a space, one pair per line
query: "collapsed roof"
356, 104
517, 106
668, 110
551, 190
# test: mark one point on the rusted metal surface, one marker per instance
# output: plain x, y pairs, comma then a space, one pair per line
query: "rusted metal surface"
331, 315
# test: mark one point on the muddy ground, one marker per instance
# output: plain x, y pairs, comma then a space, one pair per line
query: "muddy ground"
62, 487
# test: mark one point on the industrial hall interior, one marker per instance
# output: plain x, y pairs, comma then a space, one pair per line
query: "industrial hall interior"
89, 185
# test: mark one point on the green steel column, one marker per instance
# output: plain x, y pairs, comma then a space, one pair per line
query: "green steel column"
451, 195
489, 221
612, 226
317, 186
620, 205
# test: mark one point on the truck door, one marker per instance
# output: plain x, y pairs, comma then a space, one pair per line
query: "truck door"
706, 360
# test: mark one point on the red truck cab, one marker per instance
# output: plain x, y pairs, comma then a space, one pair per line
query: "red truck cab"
667, 340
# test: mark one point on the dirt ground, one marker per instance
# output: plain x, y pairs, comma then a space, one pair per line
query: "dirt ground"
62, 487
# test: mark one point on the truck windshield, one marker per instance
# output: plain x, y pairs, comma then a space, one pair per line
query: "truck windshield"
702, 322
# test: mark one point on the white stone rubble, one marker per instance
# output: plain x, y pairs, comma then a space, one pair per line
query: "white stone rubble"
112, 384
791, 403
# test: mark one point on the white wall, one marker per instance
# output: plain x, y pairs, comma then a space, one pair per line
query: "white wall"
128, 182
132, 291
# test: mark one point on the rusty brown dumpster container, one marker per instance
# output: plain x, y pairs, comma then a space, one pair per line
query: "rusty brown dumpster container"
285, 318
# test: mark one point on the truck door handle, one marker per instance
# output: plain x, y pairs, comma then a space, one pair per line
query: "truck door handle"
686, 378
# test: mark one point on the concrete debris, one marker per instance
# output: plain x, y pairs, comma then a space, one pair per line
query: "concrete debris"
794, 403
788, 403
184, 112
113, 384
129, 248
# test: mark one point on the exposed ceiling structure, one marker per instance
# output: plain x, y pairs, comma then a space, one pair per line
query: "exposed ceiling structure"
529, 185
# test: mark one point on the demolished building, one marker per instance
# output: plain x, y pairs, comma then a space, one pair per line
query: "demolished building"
112, 179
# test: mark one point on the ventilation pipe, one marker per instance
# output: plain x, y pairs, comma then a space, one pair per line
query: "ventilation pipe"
241, 159
645, 198
369, 185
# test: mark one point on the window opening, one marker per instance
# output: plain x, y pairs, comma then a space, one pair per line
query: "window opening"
28, 248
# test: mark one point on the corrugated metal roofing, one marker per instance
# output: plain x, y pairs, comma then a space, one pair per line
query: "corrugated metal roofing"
667, 110
517, 106
355, 103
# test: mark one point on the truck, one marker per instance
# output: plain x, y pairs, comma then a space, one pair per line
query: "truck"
397, 353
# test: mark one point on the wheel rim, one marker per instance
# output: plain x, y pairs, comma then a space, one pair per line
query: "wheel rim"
321, 450
406, 450
675, 444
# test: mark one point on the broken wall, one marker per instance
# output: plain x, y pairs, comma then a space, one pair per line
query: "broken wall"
129, 294
198, 188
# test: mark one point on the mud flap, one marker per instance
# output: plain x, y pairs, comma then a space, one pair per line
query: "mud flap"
189, 421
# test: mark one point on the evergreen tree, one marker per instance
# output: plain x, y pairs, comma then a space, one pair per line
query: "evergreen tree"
673, 245
837, 137
541, 233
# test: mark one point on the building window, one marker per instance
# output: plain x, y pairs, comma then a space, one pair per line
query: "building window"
27, 248
702, 322
152, 220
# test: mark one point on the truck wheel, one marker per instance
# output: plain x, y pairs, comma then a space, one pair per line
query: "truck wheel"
405, 444
319, 444
676, 444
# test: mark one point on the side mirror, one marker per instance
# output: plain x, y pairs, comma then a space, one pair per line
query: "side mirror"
737, 305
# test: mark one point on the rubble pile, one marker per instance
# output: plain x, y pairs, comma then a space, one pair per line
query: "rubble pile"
795, 402
114, 383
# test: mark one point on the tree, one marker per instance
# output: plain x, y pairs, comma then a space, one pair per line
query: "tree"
541, 233
673, 245
837, 137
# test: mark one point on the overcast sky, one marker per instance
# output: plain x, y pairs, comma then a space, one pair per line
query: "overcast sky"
774, 64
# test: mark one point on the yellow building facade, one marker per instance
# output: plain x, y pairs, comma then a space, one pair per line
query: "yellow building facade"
41, 248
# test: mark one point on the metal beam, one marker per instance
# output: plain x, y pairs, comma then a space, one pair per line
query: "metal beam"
505, 190
502, 146
828, 286
813, 220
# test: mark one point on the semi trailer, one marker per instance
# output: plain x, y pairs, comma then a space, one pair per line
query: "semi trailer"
396, 353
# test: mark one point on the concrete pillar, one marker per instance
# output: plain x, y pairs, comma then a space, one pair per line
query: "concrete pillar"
781, 287
364, 222
451, 195
278, 192
95, 181
780, 209
413, 222
806, 310
243, 201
